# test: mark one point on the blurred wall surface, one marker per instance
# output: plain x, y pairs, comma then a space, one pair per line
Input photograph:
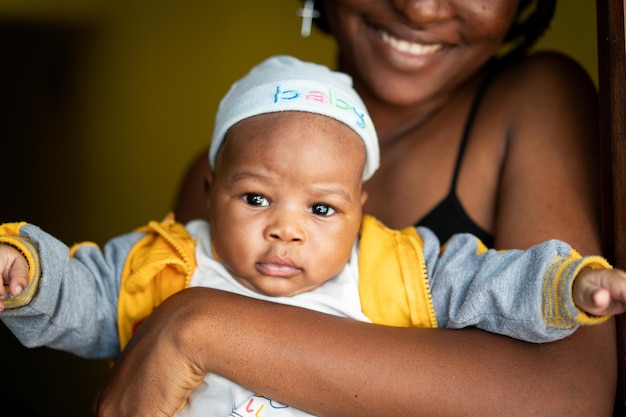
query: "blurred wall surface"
103, 106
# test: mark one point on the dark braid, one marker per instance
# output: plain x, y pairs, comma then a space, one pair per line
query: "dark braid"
532, 19
320, 22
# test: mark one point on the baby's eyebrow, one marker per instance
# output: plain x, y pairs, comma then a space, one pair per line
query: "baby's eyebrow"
317, 191
327, 191
247, 175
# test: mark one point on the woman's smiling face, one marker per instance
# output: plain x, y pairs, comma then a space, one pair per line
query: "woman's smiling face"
406, 51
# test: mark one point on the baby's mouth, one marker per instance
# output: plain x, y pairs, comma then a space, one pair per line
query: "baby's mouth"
407, 47
278, 267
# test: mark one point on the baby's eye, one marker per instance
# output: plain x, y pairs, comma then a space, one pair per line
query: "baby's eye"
322, 209
256, 200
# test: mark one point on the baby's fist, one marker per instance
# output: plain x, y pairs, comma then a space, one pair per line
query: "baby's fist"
15, 273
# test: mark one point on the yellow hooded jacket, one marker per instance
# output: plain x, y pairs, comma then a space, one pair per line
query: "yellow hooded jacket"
393, 285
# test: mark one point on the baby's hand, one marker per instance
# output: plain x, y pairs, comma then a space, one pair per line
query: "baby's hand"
600, 291
14, 271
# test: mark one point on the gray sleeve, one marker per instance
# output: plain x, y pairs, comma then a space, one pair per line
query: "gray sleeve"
498, 291
75, 307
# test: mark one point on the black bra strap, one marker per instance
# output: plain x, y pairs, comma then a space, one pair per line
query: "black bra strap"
468, 130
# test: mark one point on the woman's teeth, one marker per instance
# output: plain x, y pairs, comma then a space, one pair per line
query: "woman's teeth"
407, 47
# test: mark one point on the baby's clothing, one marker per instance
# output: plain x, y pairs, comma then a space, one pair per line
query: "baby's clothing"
88, 301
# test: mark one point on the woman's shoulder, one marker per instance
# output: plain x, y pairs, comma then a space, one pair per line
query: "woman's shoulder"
546, 87
548, 61
544, 74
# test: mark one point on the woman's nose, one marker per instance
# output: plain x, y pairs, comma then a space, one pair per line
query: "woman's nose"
424, 11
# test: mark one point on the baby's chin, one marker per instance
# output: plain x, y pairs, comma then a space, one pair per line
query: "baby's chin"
276, 286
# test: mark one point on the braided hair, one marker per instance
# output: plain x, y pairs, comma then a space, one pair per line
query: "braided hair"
532, 19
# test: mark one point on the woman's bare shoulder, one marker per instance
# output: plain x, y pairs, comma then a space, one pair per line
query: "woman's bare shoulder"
545, 75
548, 177
544, 94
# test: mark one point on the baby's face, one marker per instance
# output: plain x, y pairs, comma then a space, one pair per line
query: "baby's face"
285, 201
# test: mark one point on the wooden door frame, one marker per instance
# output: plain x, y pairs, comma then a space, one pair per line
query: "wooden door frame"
612, 102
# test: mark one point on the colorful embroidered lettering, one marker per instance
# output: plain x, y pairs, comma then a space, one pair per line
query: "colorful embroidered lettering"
255, 405
337, 102
285, 95
320, 97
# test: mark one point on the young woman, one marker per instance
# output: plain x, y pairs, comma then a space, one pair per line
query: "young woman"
502, 148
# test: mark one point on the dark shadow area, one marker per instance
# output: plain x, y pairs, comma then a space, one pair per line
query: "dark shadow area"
41, 64
39, 121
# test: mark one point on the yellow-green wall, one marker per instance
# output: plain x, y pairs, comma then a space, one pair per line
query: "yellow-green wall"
160, 74
147, 87
144, 89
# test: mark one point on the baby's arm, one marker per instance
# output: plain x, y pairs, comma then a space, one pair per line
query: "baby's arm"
522, 294
70, 300
15, 273
600, 291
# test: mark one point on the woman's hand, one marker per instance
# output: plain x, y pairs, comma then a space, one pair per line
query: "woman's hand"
156, 371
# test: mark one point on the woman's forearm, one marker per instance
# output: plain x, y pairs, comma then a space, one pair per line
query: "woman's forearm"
333, 366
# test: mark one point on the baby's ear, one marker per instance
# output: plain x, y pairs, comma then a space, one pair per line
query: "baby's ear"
208, 180
363, 197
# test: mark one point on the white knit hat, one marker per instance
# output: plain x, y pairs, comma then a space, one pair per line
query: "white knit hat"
284, 83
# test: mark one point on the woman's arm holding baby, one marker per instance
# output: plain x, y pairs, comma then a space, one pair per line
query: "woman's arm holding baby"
200, 332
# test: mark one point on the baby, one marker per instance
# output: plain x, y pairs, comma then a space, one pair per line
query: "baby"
292, 146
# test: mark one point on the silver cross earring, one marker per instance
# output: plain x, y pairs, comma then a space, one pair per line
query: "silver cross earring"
307, 13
